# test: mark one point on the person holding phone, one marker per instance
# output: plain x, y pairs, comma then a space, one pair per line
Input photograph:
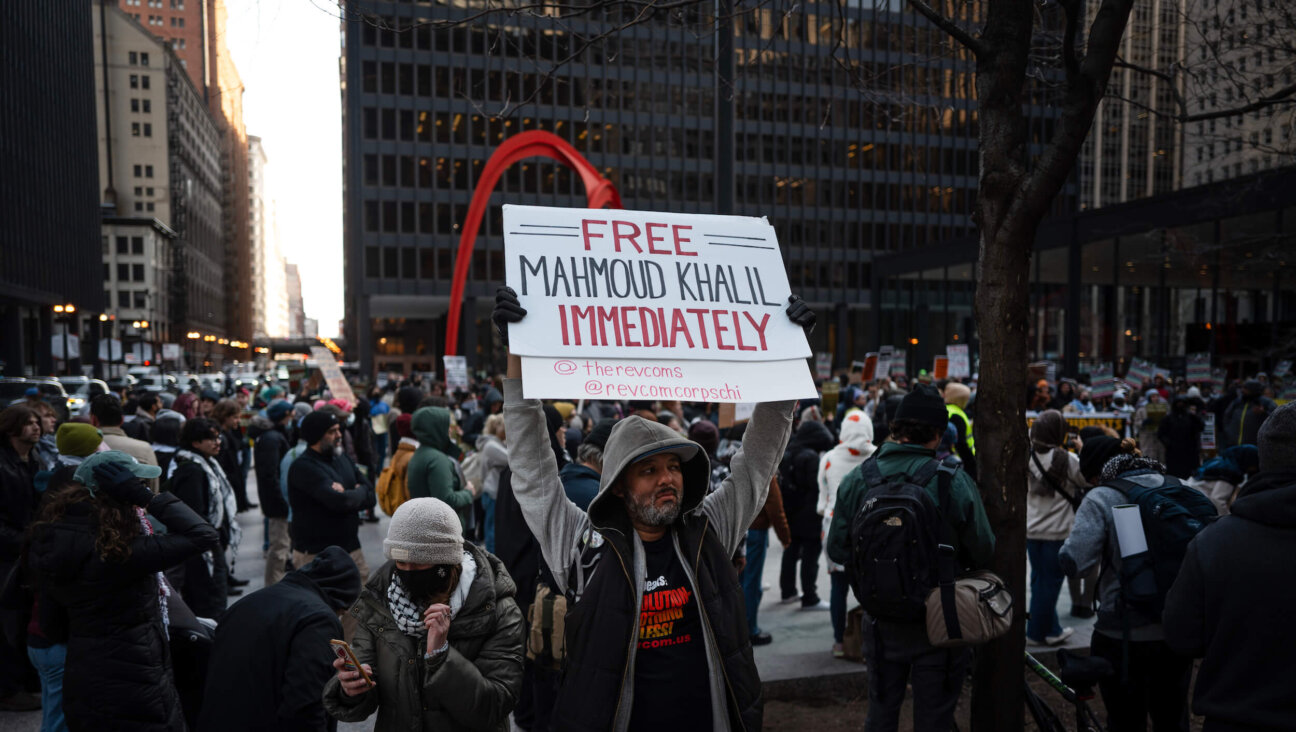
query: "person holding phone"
439, 634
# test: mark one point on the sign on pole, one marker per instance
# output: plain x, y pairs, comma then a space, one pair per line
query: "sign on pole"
960, 365
645, 305
332, 372
456, 373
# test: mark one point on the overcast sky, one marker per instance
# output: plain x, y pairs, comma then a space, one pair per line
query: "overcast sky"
287, 53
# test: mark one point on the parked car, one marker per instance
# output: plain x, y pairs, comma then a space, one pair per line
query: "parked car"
81, 389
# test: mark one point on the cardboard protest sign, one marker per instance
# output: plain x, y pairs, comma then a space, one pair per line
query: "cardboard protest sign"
1139, 373
456, 373
1102, 384
1208, 434
735, 413
823, 365
1199, 368
898, 359
639, 284
960, 365
856, 373
629, 304
332, 372
870, 368
885, 354
940, 367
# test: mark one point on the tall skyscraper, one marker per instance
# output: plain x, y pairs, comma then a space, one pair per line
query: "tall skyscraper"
296, 310
159, 171
49, 242
1133, 150
852, 129
1240, 53
196, 31
269, 284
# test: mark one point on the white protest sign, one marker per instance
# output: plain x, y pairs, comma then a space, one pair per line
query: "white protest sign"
456, 372
689, 381
884, 356
960, 366
823, 365
639, 284
333, 376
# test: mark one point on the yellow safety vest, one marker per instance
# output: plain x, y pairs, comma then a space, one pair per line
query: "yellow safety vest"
954, 409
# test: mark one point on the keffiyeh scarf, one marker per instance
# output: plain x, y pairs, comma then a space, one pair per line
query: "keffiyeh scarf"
408, 614
221, 505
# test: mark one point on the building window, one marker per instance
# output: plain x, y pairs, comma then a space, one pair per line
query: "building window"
135, 129
132, 58
137, 245
123, 273
148, 206
134, 81
144, 81
121, 244
141, 299
123, 299
181, 22
148, 130
144, 59
148, 171
137, 272
135, 105
138, 171
139, 190
107, 273
148, 106
139, 207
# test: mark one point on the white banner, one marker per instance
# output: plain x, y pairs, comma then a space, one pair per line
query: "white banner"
171, 351
689, 381
456, 372
110, 350
73, 345
645, 285
960, 366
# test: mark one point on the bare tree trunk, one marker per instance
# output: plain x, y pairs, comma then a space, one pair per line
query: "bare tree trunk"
1002, 296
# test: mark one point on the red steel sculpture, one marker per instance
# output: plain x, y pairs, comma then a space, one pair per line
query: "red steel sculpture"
599, 192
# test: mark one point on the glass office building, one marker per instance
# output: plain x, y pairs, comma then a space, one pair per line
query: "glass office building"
853, 130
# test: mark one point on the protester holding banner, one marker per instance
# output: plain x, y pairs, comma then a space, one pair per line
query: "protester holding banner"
695, 671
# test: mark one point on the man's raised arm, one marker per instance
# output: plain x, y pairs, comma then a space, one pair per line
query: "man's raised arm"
556, 522
734, 505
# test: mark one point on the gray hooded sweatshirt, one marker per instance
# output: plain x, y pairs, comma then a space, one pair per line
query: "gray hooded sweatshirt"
561, 527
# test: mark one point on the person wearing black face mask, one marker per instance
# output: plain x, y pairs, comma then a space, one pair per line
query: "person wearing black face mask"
433, 582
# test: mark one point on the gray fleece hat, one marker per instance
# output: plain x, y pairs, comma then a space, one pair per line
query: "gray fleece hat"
424, 531
1277, 441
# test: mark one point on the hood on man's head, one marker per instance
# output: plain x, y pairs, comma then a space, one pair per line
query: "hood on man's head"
633, 439
1253, 388
813, 435
335, 573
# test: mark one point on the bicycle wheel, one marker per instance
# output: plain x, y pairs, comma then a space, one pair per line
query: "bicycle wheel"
1045, 718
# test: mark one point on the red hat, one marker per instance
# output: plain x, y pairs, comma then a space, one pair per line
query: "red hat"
404, 426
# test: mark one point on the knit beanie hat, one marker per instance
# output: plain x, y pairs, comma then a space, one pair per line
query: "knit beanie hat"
335, 573
704, 433
277, 410
924, 404
598, 436
405, 426
77, 440
300, 410
316, 424
1277, 441
424, 531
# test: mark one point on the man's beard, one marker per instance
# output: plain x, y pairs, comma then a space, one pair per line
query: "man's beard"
647, 513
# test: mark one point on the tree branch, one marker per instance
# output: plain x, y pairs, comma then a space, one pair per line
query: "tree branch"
952, 29
1268, 100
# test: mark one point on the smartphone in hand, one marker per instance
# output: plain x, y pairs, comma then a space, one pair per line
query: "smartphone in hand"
342, 650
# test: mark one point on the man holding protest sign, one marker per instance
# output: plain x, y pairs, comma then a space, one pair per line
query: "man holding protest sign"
674, 651
668, 646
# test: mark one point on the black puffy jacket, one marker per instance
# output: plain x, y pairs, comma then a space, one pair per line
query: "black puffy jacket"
271, 444
118, 673
799, 477
203, 589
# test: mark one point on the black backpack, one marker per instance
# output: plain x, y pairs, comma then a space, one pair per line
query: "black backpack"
895, 538
1172, 513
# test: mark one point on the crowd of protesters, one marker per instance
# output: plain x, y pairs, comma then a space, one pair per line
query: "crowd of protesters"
600, 565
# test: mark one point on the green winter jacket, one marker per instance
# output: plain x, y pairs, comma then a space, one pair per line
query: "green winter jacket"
472, 686
432, 472
973, 539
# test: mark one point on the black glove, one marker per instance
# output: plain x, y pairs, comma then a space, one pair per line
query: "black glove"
801, 314
119, 482
507, 310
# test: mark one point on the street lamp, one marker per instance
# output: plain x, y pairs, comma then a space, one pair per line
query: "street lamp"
66, 311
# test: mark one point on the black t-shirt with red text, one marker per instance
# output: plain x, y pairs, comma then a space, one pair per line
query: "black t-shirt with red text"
672, 686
